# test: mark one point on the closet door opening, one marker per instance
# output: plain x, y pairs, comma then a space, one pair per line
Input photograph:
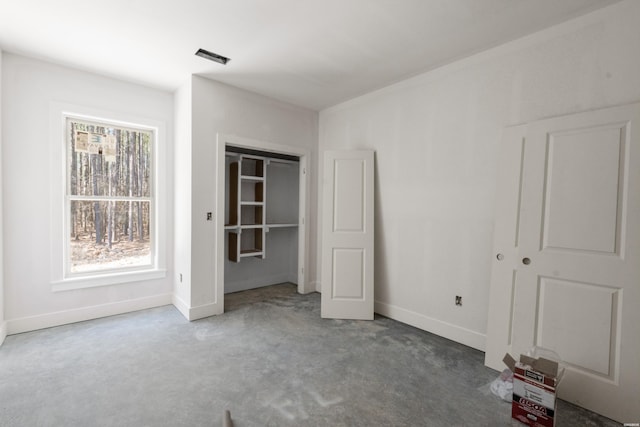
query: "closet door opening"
261, 222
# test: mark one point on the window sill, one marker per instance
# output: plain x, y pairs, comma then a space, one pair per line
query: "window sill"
107, 279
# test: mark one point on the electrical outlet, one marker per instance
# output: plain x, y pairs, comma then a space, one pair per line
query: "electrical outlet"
458, 300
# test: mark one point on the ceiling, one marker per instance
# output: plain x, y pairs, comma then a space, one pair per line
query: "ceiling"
311, 53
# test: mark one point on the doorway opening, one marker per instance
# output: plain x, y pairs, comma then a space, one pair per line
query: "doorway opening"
263, 234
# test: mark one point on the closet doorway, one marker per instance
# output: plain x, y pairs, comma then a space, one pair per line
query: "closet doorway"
262, 204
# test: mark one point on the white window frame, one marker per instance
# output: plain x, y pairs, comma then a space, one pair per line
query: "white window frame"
61, 277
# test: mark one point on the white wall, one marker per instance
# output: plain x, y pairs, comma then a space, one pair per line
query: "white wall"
29, 88
182, 208
436, 138
3, 325
218, 108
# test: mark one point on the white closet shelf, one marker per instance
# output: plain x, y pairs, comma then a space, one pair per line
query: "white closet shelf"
247, 201
253, 226
250, 252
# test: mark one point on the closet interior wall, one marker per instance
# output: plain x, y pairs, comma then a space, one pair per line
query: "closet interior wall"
275, 259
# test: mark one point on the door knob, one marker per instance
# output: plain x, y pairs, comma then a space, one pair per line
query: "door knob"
499, 257
526, 261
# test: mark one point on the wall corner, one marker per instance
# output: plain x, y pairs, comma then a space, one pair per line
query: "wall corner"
3, 331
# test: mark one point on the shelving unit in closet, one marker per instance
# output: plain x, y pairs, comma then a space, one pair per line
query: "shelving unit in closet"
247, 224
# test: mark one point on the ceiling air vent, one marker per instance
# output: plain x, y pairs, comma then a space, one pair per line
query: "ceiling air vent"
212, 56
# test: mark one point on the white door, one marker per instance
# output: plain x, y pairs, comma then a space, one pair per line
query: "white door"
566, 272
347, 236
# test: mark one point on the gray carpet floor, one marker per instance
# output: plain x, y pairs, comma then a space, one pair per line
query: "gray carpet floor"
270, 359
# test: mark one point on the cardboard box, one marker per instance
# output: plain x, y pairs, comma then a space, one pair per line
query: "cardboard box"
534, 390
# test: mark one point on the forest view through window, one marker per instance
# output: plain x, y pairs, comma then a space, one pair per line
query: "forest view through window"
109, 197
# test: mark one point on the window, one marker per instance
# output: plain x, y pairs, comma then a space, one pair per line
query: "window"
108, 181
109, 197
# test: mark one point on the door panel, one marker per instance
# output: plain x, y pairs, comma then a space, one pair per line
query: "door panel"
348, 181
571, 280
347, 239
348, 274
594, 309
575, 194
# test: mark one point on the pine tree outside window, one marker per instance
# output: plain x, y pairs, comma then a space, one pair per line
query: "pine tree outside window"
109, 203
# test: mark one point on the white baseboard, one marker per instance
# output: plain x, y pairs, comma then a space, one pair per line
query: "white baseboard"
195, 313
447, 330
257, 282
32, 323
309, 288
182, 306
3, 331
316, 285
206, 310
